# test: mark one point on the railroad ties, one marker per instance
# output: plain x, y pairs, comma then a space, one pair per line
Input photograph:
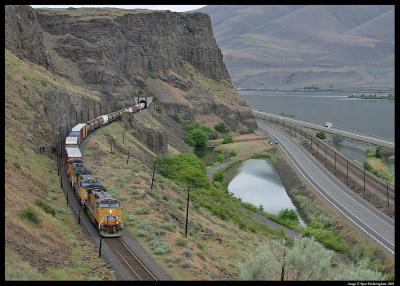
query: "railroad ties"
129, 260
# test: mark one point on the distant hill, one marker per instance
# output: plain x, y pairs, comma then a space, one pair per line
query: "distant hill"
292, 46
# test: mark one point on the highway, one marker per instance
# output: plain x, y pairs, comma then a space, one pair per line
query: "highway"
347, 133
374, 223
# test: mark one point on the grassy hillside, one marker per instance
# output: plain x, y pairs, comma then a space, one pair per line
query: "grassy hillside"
43, 240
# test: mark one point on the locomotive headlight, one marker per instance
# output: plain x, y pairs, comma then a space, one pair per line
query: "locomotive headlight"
110, 211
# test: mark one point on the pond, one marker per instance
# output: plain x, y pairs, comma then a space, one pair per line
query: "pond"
256, 181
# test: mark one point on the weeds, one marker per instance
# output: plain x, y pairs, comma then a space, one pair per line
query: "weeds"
46, 207
159, 247
30, 215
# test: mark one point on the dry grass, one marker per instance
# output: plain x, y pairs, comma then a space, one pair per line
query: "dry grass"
38, 248
160, 214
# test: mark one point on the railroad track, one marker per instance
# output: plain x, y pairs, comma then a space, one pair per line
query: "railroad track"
129, 260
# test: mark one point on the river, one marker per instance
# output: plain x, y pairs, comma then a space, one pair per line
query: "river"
256, 181
374, 117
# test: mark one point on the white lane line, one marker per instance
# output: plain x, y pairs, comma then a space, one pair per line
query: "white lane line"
327, 193
339, 190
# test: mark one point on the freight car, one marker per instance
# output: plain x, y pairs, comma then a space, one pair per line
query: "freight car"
101, 207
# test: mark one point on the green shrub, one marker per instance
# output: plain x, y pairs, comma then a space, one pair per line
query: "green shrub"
159, 247
176, 117
170, 259
221, 127
197, 138
143, 211
227, 139
321, 135
30, 214
219, 158
169, 227
218, 176
232, 154
289, 215
187, 263
180, 242
46, 207
17, 165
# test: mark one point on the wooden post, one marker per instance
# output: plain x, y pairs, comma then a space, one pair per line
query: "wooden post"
79, 217
187, 212
283, 267
100, 246
76, 117
127, 160
335, 162
152, 178
364, 180
387, 193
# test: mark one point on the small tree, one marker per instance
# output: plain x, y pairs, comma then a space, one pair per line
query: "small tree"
227, 139
287, 214
221, 127
321, 135
197, 138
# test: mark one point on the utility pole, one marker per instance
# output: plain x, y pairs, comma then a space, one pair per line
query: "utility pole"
100, 246
76, 117
187, 211
81, 115
347, 176
79, 217
283, 267
364, 180
387, 193
127, 160
152, 178
335, 163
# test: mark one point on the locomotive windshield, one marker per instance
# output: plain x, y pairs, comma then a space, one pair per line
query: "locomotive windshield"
74, 134
109, 204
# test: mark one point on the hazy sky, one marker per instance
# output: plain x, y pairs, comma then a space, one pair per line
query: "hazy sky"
175, 8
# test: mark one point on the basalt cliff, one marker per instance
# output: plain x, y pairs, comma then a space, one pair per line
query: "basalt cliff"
121, 53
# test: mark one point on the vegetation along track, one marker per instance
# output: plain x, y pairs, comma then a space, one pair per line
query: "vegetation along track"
129, 260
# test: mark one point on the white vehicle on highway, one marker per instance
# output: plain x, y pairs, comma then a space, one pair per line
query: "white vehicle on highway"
328, 124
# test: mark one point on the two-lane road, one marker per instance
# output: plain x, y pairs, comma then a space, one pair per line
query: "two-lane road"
377, 225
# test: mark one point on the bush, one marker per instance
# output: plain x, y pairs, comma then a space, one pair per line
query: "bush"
187, 263
289, 215
176, 117
212, 134
197, 138
232, 154
180, 242
16, 165
221, 127
159, 247
218, 176
201, 256
227, 139
187, 253
46, 207
30, 215
170, 259
219, 157
321, 135
142, 211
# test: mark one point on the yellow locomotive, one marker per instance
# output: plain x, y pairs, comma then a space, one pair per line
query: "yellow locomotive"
104, 210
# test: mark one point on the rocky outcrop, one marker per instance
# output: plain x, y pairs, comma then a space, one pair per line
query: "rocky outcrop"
128, 46
118, 52
24, 36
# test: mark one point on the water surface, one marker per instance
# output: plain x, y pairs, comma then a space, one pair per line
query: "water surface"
257, 182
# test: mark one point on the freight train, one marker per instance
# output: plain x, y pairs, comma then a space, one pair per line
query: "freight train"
100, 206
